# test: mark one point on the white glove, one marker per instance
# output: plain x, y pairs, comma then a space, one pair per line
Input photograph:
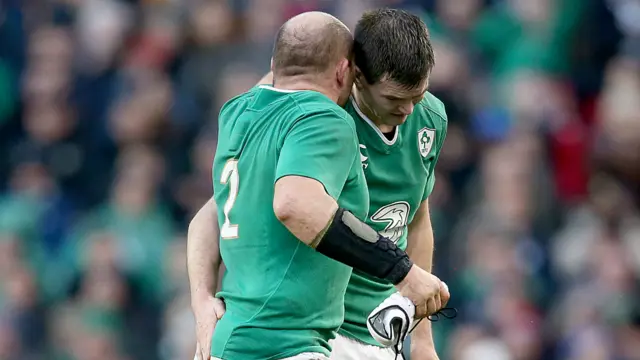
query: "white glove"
390, 323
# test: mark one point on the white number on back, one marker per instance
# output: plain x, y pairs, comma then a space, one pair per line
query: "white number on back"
230, 176
396, 216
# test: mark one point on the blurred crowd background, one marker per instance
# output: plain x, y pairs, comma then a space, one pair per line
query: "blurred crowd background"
108, 114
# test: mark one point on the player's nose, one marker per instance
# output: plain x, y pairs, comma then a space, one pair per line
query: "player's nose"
406, 109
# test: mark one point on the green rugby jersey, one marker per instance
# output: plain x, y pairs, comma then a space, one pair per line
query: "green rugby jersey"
283, 298
400, 175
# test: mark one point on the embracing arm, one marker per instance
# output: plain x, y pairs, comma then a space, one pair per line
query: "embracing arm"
203, 252
312, 170
313, 167
338, 234
315, 218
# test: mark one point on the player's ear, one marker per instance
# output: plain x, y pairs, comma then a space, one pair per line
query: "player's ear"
359, 78
344, 73
271, 65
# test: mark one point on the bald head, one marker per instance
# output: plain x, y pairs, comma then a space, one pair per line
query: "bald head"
310, 43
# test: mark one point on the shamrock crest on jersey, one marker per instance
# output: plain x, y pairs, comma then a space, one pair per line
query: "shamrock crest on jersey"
425, 141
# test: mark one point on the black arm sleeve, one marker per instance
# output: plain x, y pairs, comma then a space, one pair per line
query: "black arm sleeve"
354, 243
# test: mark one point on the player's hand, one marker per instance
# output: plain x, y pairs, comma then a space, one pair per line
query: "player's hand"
428, 293
207, 312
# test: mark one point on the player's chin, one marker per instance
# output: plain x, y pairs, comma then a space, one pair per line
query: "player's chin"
397, 119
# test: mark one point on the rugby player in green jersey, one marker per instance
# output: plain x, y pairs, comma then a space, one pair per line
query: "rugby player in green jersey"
288, 177
401, 129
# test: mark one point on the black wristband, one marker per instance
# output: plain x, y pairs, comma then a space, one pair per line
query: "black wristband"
354, 243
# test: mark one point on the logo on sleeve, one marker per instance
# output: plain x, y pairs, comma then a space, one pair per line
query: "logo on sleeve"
396, 216
363, 159
426, 137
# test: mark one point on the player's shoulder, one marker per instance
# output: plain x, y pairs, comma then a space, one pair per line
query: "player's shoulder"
249, 94
313, 102
238, 100
431, 111
313, 105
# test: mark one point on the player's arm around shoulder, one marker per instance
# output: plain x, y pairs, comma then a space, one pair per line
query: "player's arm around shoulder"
314, 165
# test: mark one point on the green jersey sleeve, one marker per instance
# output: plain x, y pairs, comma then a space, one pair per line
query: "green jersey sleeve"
321, 147
431, 180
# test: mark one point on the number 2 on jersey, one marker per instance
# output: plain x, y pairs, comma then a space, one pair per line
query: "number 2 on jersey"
230, 176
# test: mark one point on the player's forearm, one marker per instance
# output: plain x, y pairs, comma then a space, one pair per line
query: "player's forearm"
420, 249
203, 255
304, 207
420, 239
420, 245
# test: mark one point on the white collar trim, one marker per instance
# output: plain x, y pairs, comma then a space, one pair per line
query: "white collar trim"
368, 121
269, 87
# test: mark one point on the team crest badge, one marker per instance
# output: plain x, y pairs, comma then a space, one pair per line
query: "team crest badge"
426, 137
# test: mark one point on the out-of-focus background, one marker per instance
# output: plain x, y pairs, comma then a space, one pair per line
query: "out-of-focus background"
108, 115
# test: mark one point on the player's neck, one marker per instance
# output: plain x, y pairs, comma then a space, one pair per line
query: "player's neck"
304, 83
370, 113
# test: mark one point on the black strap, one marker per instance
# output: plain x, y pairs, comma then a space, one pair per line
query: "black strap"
447, 313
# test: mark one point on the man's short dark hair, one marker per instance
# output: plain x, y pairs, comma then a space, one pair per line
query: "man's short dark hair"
395, 44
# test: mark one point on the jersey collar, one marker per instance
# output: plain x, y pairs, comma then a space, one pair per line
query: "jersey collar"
269, 87
376, 136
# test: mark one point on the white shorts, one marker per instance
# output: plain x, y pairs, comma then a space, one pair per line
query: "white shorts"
344, 348
303, 356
